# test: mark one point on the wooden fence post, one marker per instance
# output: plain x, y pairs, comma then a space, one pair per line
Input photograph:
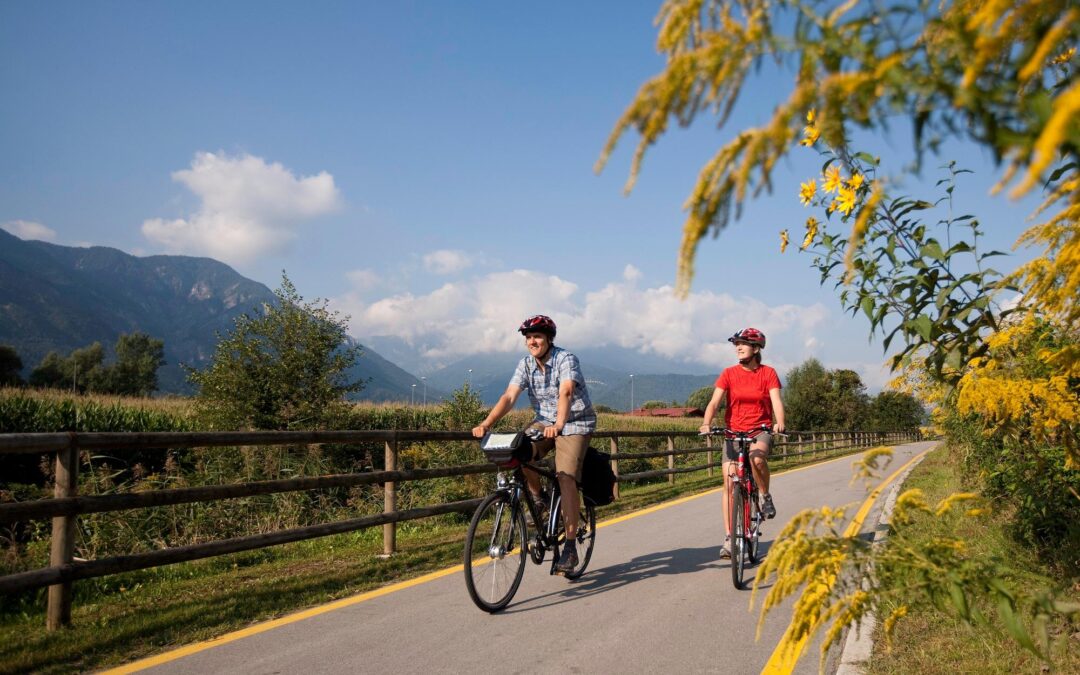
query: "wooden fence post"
615, 463
671, 459
389, 533
62, 551
708, 454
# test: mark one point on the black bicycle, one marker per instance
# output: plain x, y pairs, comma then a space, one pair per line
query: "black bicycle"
498, 538
744, 504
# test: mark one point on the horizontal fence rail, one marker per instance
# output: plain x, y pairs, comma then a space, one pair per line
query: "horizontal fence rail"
66, 505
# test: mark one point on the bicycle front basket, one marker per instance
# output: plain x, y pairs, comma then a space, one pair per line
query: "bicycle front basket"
505, 450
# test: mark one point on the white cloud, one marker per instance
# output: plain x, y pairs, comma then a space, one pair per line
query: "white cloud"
28, 229
248, 207
480, 315
447, 261
362, 280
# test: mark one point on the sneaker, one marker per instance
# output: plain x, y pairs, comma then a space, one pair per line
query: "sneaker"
725, 550
568, 560
767, 507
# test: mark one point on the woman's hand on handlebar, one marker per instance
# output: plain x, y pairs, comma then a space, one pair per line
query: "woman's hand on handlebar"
704, 429
479, 430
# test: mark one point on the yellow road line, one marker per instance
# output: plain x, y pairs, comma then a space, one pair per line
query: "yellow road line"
787, 653
197, 647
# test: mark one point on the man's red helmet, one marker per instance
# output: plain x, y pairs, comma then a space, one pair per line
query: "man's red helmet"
750, 336
538, 324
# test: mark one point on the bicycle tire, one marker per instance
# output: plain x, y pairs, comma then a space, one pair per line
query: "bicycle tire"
755, 527
586, 535
495, 552
738, 535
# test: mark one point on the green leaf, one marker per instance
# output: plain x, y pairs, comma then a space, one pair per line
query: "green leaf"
932, 249
923, 326
959, 601
867, 305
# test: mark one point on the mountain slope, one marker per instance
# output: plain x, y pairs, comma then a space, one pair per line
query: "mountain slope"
59, 298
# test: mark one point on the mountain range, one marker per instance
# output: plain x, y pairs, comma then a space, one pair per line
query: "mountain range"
60, 298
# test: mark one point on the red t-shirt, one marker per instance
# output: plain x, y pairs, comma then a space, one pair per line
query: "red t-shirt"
749, 404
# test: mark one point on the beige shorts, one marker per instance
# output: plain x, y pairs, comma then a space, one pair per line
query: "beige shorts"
569, 451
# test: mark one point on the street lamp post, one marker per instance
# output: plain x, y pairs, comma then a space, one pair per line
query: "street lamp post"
412, 399
631, 393
468, 377
424, 380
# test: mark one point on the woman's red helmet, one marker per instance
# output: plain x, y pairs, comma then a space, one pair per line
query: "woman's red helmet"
750, 336
538, 324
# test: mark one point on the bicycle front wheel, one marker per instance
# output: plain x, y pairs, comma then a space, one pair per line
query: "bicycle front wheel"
738, 535
495, 552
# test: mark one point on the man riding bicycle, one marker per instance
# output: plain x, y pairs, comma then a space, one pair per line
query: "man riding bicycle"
753, 394
552, 377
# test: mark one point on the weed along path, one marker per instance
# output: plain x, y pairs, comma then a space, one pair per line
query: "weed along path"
655, 597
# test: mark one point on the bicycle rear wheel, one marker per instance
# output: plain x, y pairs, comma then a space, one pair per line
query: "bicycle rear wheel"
495, 552
756, 519
586, 535
738, 535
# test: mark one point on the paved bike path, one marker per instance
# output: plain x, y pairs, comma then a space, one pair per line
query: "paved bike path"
655, 596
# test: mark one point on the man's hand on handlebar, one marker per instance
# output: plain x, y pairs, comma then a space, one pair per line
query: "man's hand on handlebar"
551, 432
479, 430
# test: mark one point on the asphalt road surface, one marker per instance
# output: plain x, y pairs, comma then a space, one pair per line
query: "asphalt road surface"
656, 597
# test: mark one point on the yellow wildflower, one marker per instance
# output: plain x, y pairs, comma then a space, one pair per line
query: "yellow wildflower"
811, 232
856, 181
807, 191
833, 180
1063, 57
783, 241
810, 135
811, 114
845, 201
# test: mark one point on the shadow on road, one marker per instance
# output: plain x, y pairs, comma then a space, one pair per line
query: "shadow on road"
675, 561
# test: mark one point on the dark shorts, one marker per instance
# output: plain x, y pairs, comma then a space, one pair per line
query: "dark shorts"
731, 454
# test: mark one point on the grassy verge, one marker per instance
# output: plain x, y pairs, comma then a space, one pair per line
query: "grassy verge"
130, 616
935, 642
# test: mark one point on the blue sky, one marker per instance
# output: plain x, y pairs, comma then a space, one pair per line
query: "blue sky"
428, 166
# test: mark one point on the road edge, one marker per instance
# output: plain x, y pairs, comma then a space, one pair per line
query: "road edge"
859, 644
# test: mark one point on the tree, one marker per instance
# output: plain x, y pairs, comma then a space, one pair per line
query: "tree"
284, 367
846, 400
81, 371
138, 357
896, 410
10, 367
804, 397
650, 405
700, 398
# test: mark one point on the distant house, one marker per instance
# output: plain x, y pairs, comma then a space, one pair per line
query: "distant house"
668, 412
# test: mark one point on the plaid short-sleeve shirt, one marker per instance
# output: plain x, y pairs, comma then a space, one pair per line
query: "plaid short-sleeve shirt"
543, 390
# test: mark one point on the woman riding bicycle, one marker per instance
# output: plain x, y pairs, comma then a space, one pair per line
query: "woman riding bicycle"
552, 377
753, 394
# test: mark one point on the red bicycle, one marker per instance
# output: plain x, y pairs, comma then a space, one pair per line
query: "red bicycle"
744, 504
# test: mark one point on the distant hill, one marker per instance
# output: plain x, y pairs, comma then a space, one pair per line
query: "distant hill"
60, 298
607, 386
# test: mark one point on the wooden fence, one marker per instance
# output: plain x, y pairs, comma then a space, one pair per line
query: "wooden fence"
66, 505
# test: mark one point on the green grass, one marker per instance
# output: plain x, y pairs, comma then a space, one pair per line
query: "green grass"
929, 641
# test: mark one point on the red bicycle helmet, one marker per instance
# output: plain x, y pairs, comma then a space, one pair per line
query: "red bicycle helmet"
538, 324
750, 336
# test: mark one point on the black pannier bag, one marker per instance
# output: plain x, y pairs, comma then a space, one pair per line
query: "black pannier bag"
506, 450
597, 478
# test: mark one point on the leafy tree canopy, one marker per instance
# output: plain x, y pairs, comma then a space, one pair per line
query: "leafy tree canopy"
700, 398
284, 367
10, 367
